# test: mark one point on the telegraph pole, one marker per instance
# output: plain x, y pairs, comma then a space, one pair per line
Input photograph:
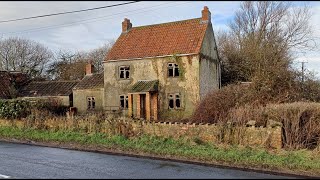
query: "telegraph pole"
302, 70
302, 77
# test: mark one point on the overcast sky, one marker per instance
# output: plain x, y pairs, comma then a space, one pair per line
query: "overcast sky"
91, 29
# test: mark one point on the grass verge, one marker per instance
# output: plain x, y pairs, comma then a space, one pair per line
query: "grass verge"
301, 162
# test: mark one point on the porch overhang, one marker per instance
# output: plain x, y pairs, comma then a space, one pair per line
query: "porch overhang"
144, 86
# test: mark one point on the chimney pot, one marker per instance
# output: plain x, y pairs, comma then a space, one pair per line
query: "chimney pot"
206, 14
126, 25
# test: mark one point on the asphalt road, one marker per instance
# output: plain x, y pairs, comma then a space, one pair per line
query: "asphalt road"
26, 161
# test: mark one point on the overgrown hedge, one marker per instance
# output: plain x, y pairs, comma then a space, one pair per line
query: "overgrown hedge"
17, 108
13, 109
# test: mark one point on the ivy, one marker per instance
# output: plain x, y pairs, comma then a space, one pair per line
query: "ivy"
178, 60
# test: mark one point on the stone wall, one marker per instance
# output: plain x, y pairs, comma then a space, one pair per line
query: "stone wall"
268, 137
248, 136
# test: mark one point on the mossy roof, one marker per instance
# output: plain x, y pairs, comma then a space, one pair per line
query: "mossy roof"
145, 86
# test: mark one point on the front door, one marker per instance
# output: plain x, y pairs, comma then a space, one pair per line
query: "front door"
143, 106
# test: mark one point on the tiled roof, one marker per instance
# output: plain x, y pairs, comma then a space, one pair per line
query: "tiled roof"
48, 88
5, 84
91, 81
145, 86
180, 37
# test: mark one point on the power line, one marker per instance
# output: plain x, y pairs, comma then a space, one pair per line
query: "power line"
86, 20
67, 12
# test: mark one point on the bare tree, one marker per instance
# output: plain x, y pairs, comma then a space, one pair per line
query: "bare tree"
98, 55
70, 65
18, 54
263, 37
261, 45
67, 65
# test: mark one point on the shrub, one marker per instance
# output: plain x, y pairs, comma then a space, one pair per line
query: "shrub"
300, 121
14, 109
51, 105
216, 105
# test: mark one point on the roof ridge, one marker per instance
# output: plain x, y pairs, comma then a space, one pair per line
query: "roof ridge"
48, 81
172, 22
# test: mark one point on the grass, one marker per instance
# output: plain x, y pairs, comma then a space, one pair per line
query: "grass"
303, 161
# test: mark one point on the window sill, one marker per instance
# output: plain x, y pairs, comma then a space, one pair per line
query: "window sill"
176, 109
124, 79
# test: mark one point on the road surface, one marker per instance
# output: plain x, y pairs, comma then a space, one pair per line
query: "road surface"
26, 161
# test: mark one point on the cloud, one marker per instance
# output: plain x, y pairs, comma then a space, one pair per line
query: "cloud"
90, 34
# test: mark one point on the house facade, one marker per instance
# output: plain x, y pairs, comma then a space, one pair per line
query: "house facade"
88, 94
162, 71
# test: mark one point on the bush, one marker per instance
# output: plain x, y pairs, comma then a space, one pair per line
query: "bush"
300, 121
217, 104
51, 105
17, 109
14, 109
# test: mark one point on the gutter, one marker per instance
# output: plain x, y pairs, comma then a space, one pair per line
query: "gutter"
105, 61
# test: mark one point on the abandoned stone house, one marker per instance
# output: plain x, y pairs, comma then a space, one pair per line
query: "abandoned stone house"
161, 71
153, 72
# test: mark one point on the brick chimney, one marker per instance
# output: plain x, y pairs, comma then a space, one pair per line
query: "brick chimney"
89, 68
206, 14
126, 25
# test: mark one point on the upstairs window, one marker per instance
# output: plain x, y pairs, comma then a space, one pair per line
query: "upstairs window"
124, 102
173, 70
174, 101
124, 72
91, 104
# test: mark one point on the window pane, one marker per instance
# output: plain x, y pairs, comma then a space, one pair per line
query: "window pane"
176, 71
93, 104
171, 106
178, 103
170, 72
89, 104
127, 68
127, 74
121, 74
121, 68
122, 103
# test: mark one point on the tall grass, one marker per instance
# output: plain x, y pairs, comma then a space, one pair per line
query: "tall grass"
300, 121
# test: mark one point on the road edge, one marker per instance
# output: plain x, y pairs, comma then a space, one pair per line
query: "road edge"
78, 147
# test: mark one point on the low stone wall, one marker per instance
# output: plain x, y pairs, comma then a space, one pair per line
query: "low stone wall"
248, 136
269, 137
